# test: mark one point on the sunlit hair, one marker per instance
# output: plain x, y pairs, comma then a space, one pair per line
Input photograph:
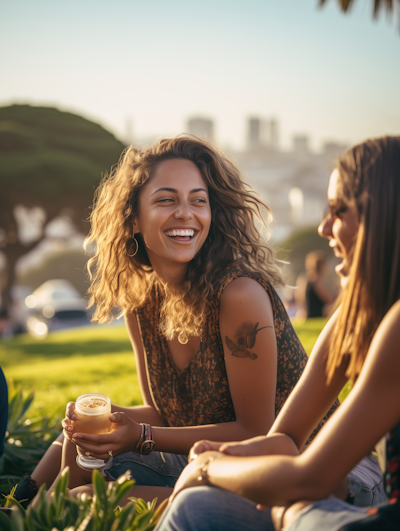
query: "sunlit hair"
127, 282
370, 176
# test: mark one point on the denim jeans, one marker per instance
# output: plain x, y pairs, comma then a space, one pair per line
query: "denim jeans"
157, 469
213, 509
327, 515
365, 483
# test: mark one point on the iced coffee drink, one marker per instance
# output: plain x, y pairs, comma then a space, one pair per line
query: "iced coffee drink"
92, 411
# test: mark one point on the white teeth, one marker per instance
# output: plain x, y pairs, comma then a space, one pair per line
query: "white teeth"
187, 232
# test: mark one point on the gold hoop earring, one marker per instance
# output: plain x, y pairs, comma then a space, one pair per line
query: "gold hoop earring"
137, 248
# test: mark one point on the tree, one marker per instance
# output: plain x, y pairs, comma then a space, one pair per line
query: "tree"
387, 5
51, 161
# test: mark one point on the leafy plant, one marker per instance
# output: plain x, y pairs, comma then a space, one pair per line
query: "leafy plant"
26, 439
98, 513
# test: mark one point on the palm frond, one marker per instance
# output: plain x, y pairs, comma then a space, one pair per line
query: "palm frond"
378, 5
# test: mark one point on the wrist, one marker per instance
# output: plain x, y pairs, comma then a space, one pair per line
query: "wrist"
145, 444
204, 477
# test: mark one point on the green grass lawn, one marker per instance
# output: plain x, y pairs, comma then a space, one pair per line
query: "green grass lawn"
72, 362
93, 359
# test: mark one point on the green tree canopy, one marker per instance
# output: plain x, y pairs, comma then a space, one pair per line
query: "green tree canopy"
48, 159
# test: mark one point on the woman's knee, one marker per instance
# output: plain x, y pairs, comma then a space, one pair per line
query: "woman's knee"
188, 510
212, 509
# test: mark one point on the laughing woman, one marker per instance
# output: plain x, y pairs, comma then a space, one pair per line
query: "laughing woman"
179, 253
362, 339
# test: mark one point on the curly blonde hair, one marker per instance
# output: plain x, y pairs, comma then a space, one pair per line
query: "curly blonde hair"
127, 282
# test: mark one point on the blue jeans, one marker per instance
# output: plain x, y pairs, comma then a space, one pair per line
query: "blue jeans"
213, 509
158, 469
365, 483
329, 515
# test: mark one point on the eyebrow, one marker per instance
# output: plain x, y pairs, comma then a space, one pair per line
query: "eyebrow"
175, 191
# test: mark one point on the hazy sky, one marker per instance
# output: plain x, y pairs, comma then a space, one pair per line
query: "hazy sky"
156, 62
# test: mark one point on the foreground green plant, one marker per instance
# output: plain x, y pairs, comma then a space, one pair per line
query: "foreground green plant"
26, 439
98, 513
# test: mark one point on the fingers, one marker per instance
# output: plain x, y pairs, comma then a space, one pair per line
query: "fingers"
70, 411
122, 437
202, 446
94, 438
68, 428
233, 449
118, 418
96, 450
68, 432
67, 423
105, 455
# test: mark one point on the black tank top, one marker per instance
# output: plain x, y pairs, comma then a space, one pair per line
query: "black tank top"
314, 304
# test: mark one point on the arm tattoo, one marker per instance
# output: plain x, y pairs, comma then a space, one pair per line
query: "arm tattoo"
245, 338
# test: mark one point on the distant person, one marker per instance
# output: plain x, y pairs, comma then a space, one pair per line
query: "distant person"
314, 293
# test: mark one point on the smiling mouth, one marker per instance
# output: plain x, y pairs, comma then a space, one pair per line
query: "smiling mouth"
177, 233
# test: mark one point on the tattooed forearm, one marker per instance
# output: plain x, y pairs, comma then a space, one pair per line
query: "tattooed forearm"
245, 338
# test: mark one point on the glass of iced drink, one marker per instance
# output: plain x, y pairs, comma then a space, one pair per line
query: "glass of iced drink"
92, 411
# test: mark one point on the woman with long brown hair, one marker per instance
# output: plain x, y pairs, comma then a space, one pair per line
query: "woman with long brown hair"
179, 254
359, 343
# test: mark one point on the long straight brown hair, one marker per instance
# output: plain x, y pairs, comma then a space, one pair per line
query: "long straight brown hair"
370, 175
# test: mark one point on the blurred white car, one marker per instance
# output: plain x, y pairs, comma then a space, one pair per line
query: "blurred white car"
54, 305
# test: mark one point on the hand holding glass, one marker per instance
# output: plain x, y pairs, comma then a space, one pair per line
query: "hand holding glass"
92, 410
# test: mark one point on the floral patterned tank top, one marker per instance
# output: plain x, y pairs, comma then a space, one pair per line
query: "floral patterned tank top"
199, 394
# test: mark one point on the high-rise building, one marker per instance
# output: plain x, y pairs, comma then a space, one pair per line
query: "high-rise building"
262, 134
274, 134
200, 127
300, 145
253, 133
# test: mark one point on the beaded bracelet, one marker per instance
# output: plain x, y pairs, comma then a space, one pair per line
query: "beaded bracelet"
140, 441
204, 469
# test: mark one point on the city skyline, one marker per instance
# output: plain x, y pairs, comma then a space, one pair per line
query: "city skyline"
153, 65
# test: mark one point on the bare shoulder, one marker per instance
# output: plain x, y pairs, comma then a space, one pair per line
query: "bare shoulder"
245, 298
393, 315
388, 330
383, 361
243, 288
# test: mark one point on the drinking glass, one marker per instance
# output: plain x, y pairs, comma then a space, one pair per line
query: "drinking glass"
92, 410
